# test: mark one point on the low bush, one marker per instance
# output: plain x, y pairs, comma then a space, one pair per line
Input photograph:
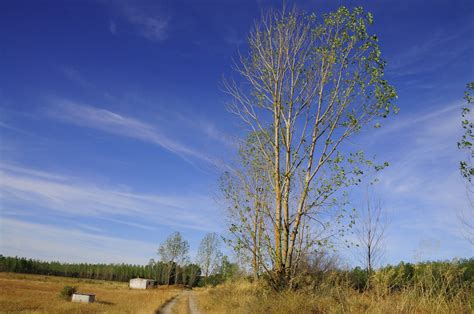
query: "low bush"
67, 292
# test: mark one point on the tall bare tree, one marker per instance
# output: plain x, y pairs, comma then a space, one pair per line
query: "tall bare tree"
371, 230
209, 254
308, 84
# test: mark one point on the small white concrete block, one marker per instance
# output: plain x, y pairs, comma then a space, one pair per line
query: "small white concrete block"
83, 298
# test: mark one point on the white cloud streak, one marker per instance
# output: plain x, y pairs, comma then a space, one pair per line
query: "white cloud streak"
49, 242
441, 47
72, 197
423, 187
149, 21
114, 123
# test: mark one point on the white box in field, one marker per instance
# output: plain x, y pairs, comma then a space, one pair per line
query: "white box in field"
141, 283
83, 298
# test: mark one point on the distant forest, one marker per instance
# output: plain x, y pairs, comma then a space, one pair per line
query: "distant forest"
438, 275
159, 271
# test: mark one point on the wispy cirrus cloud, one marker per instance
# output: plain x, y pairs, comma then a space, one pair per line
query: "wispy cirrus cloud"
148, 19
118, 124
427, 141
29, 188
423, 186
206, 128
441, 48
422, 189
50, 242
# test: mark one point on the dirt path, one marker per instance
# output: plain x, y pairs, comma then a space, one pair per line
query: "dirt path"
166, 308
193, 308
187, 296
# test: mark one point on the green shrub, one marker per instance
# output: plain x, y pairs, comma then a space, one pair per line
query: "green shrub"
358, 278
67, 292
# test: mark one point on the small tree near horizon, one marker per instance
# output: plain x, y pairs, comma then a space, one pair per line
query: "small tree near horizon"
370, 230
173, 251
209, 254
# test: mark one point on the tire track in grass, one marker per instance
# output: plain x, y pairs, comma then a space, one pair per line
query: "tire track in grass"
188, 295
167, 307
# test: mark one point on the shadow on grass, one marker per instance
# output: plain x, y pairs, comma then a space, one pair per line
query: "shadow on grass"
104, 302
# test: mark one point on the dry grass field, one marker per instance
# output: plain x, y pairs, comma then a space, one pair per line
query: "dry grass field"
244, 297
40, 294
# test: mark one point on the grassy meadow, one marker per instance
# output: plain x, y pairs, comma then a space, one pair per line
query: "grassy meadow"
427, 287
40, 294
437, 287
245, 297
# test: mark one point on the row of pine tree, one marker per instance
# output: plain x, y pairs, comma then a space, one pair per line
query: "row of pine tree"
163, 273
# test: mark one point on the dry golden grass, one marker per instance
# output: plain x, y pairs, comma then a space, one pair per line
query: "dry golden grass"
40, 294
244, 297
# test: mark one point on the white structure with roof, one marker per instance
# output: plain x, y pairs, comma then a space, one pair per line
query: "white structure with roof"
141, 283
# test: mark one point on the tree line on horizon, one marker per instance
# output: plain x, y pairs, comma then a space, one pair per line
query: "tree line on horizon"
187, 274
173, 267
447, 275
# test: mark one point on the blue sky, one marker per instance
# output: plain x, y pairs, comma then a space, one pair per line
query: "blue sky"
113, 127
